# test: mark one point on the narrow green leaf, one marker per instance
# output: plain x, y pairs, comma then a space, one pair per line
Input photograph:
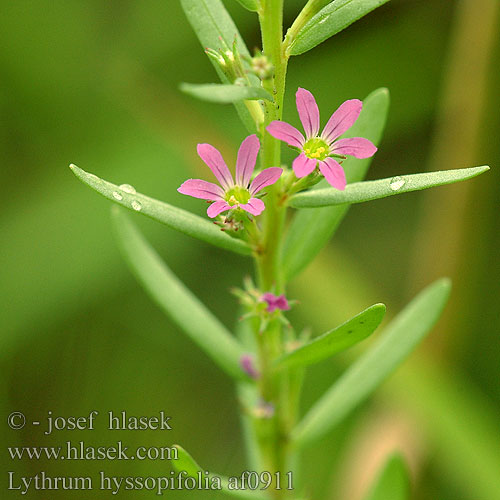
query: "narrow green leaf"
396, 342
175, 299
330, 20
225, 93
374, 190
393, 482
251, 5
337, 340
173, 217
212, 23
210, 20
185, 462
311, 229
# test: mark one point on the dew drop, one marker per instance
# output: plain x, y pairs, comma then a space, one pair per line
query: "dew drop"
324, 20
117, 196
127, 188
136, 205
397, 183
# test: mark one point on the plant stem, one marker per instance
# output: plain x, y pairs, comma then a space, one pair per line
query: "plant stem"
271, 22
274, 388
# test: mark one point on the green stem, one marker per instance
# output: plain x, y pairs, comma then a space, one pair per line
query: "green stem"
275, 388
271, 21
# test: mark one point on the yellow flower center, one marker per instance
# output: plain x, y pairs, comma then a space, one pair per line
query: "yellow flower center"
237, 195
316, 149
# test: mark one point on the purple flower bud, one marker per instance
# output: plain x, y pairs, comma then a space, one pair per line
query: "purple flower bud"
275, 302
248, 366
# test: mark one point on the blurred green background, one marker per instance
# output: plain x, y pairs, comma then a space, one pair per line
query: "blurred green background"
96, 83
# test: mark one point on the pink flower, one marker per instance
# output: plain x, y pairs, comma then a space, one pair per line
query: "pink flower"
319, 150
239, 194
274, 302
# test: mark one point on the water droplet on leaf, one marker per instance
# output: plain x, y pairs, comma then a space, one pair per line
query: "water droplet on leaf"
128, 188
117, 196
136, 205
324, 19
397, 183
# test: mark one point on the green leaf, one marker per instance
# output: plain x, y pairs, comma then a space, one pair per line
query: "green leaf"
251, 5
175, 299
211, 22
374, 190
396, 342
185, 462
393, 482
333, 18
225, 93
339, 339
311, 229
173, 217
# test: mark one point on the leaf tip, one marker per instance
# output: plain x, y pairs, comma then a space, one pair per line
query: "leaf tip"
382, 93
444, 283
76, 170
442, 287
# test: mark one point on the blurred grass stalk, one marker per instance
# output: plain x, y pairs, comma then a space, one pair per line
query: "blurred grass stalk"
443, 244
453, 421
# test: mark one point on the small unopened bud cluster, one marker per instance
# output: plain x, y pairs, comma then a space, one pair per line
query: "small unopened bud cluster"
229, 60
261, 66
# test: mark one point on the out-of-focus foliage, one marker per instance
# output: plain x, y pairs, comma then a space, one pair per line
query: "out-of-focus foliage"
96, 83
392, 484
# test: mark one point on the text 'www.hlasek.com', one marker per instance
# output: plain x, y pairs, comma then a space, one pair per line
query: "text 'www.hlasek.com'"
153, 428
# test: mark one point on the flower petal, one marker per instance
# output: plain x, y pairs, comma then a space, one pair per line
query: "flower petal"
201, 189
285, 132
308, 112
247, 156
215, 162
216, 208
333, 172
342, 120
265, 178
254, 206
302, 165
355, 146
